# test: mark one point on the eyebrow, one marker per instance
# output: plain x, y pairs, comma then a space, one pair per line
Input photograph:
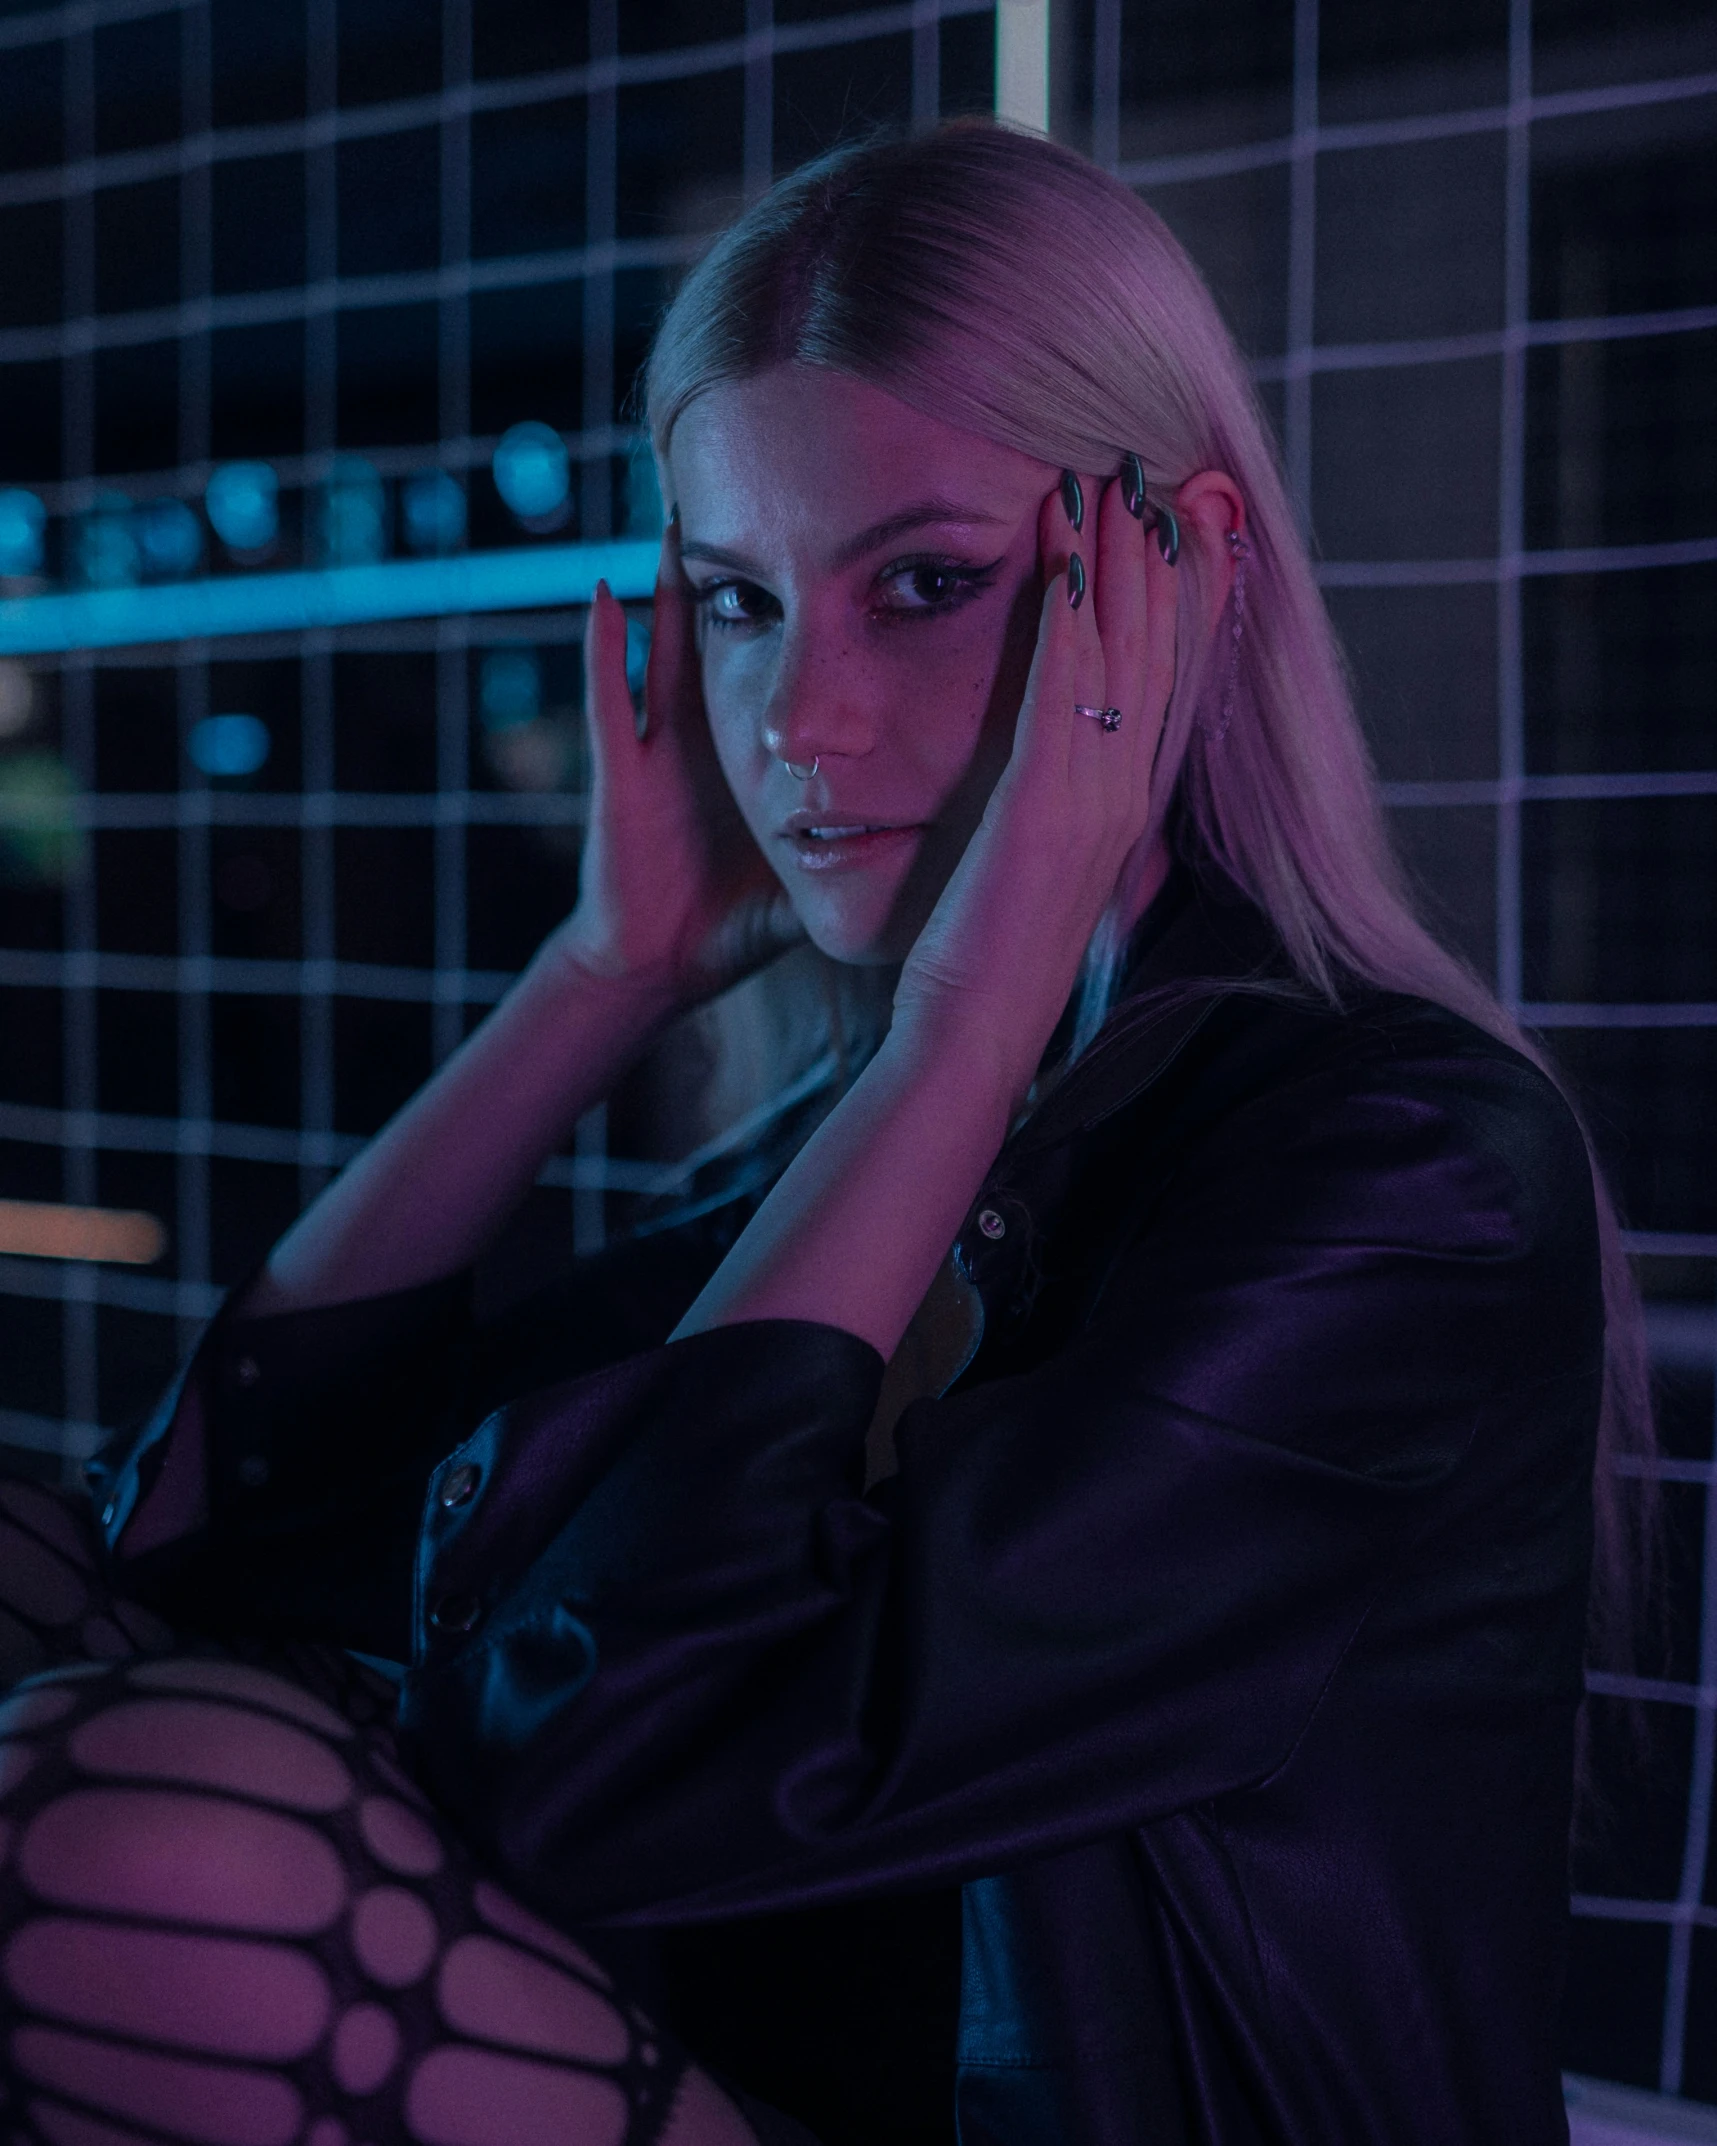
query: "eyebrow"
926, 513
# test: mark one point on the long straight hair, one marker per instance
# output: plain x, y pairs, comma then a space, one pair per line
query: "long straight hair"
1004, 285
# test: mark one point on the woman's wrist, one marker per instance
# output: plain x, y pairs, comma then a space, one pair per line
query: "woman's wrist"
978, 1046
854, 1232
574, 965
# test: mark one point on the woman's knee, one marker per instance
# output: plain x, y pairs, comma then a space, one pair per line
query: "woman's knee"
218, 1897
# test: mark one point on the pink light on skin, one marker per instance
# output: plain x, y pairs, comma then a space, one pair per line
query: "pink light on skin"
867, 586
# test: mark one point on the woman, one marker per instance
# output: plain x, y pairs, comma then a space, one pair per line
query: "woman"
1187, 1704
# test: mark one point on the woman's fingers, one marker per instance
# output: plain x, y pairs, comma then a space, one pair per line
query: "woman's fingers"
1090, 664
1136, 604
1067, 664
607, 696
1123, 603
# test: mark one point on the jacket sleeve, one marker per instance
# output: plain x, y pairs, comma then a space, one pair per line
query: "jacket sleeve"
673, 1664
278, 1487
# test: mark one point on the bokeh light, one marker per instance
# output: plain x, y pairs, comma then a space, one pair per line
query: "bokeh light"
637, 651
42, 839
353, 513
23, 520
432, 511
106, 549
169, 538
643, 493
511, 688
533, 473
229, 745
242, 501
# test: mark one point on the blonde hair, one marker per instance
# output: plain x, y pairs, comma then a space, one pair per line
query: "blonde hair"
1004, 285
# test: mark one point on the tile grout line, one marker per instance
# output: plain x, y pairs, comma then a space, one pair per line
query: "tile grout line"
452, 654
589, 1211
78, 1340
318, 893
1302, 262
193, 1177
1510, 683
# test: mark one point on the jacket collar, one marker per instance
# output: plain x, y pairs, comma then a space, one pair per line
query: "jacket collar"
1193, 946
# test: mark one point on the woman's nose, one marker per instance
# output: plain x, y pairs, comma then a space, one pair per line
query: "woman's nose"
817, 708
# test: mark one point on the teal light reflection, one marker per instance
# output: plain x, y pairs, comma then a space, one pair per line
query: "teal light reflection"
544, 577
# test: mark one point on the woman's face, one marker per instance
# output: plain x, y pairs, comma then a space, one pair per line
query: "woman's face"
867, 590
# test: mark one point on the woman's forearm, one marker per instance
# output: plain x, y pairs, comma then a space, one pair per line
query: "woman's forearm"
854, 1232
435, 1185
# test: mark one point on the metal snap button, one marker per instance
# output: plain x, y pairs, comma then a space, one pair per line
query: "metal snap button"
991, 1223
252, 1471
461, 1486
247, 1371
456, 1613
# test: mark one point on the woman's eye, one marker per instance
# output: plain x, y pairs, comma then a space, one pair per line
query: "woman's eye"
918, 590
736, 603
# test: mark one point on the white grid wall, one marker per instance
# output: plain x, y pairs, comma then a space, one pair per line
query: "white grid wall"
899, 54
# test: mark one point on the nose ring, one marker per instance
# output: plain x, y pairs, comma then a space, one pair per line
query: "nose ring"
799, 773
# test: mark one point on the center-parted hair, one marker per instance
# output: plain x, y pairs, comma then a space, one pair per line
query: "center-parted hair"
1003, 284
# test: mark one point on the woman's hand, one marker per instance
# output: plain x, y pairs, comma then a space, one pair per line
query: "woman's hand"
999, 955
673, 894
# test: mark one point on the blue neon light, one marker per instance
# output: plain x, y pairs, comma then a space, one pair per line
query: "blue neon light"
511, 688
229, 744
105, 545
541, 578
243, 502
169, 538
432, 509
353, 514
22, 520
533, 472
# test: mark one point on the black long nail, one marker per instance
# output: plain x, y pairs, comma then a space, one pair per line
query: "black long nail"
674, 515
1075, 581
1072, 499
1133, 486
1168, 535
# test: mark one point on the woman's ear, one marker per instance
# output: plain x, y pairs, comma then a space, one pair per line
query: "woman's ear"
1211, 510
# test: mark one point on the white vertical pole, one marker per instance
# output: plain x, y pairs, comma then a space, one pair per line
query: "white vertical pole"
1022, 63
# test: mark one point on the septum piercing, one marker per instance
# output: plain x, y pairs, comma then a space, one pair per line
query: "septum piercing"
799, 773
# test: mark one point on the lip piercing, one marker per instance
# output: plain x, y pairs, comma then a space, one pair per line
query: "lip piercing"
1110, 718
799, 773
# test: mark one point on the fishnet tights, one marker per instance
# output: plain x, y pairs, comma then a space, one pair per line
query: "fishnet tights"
227, 1916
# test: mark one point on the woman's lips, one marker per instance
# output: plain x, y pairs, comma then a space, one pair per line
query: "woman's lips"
830, 845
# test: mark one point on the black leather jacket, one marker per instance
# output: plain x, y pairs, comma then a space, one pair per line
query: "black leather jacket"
1220, 1635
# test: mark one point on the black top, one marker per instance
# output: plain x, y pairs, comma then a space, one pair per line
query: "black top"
1220, 1634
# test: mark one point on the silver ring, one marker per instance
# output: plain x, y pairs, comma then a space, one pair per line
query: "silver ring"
801, 774
1110, 718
